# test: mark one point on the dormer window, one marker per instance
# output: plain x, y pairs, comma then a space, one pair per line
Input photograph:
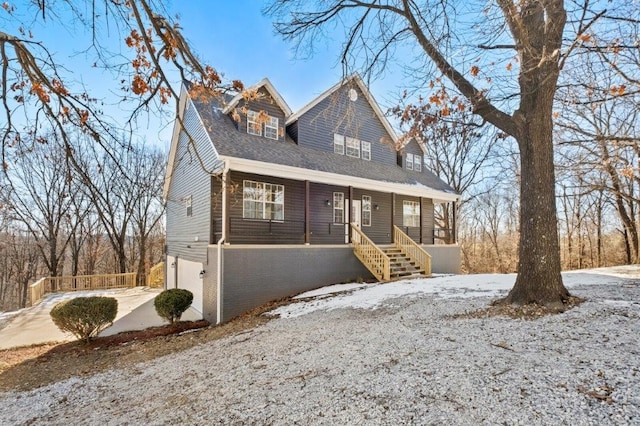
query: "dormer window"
409, 161
253, 126
255, 120
417, 163
271, 128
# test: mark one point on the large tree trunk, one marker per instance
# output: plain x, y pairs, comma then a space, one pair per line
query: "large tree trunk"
539, 280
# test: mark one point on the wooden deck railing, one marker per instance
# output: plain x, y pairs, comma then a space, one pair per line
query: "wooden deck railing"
80, 283
412, 249
156, 276
370, 255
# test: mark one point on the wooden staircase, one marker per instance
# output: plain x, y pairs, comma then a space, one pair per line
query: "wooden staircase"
401, 265
404, 259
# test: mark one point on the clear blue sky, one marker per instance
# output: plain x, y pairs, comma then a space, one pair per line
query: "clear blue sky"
233, 36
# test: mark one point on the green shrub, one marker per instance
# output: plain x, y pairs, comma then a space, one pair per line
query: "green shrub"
171, 304
85, 317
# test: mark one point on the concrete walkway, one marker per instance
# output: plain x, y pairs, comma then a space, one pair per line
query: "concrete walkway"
34, 325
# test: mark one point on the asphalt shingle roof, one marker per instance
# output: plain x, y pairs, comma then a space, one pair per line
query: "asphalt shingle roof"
229, 141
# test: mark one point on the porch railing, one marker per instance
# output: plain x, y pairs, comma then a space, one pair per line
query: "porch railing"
156, 276
412, 249
80, 283
370, 255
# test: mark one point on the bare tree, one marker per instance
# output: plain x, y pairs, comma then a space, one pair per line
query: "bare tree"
40, 197
125, 189
504, 58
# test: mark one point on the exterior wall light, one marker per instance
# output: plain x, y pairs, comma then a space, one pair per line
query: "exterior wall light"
328, 203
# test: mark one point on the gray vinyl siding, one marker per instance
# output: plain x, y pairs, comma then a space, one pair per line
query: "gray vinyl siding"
337, 114
254, 276
426, 210
292, 130
380, 230
254, 231
264, 103
323, 230
412, 148
190, 179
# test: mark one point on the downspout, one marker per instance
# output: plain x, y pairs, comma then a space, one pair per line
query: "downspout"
223, 236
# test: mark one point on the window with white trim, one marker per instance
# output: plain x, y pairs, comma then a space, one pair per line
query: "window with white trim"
188, 205
338, 207
411, 213
253, 127
366, 210
271, 128
262, 200
417, 163
409, 161
338, 144
353, 148
366, 150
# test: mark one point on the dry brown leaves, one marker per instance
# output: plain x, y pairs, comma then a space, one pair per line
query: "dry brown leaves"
528, 312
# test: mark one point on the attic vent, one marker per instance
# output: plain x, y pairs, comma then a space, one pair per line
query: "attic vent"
353, 95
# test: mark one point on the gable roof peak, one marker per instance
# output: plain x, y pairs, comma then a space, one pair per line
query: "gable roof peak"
355, 78
266, 83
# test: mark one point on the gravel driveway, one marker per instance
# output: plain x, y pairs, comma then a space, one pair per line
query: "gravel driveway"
406, 362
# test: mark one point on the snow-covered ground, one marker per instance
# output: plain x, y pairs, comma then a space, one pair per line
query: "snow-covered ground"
384, 354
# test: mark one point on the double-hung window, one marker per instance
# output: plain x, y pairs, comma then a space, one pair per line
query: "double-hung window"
366, 210
417, 163
409, 161
271, 128
338, 207
366, 150
338, 144
262, 201
253, 126
188, 205
353, 148
411, 213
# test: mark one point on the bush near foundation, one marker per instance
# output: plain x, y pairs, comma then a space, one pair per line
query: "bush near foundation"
171, 304
85, 317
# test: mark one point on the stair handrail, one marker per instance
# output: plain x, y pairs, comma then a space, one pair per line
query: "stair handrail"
370, 254
412, 249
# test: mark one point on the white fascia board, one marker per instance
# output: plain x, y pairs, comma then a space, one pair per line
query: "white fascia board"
296, 173
272, 91
173, 148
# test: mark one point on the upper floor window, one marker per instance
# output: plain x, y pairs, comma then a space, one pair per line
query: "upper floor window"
338, 207
271, 128
338, 144
188, 205
366, 150
366, 210
417, 163
409, 161
253, 125
410, 213
353, 147
262, 200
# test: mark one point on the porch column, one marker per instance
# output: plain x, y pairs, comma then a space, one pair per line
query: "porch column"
350, 211
307, 231
421, 218
454, 230
227, 208
393, 213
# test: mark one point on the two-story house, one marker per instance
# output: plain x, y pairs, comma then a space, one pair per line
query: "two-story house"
263, 203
